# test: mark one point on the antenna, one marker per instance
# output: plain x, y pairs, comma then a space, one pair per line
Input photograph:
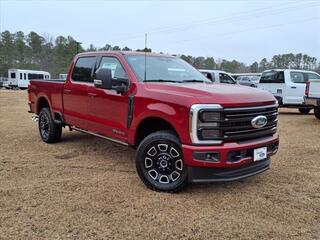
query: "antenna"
145, 56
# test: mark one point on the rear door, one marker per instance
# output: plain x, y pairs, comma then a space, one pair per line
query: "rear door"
273, 81
75, 92
295, 89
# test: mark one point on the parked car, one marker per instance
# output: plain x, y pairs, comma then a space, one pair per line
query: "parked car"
236, 75
251, 81
312, 96
288, 86
218, 76
184, 127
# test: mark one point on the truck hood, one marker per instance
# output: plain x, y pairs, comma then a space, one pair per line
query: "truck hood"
224, 94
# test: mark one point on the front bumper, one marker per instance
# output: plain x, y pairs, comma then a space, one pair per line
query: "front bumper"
200, 174
235, 160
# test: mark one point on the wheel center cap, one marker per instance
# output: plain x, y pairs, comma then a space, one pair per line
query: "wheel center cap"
163, 163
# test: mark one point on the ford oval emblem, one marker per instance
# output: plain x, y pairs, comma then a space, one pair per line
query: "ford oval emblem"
259, 121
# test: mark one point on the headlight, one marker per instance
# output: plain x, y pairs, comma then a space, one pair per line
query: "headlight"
208, 134
209, 116
204, 123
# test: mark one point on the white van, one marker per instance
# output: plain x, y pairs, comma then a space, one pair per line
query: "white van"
218, 76
288, 86
19, 78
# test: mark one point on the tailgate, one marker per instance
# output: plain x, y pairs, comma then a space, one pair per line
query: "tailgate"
314, 89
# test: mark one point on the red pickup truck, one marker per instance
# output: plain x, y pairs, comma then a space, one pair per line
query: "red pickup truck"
185, 128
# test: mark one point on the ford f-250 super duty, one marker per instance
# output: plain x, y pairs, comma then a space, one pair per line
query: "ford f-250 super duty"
185, 128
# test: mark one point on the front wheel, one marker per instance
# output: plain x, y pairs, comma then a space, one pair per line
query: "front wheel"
160, 164
317, 112
49, 131
304, 110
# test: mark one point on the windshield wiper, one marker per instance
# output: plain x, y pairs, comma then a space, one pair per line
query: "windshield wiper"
194, 80
161, 80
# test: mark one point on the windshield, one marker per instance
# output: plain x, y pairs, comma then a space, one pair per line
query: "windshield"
162, 68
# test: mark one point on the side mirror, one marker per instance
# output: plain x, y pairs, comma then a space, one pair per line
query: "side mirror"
103, 78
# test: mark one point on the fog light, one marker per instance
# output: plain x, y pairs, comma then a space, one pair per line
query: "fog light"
207, 156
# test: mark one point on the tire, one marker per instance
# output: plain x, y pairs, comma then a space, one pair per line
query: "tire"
49, 131
317, 112
159, 162
304, 110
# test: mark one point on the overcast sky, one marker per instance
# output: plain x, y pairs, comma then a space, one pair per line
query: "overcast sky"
243, 30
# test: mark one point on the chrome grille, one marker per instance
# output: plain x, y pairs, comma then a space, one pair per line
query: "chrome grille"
236, 123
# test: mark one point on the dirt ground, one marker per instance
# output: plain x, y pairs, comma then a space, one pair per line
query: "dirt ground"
87, 188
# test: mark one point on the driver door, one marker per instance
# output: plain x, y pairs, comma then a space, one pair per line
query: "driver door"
108, 109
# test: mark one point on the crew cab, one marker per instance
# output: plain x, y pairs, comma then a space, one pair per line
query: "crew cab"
312, 96
288, 86
218, 76
184, 128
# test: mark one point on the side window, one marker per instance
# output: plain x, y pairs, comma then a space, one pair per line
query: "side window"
114, 65
25, 76
82, 69
311, 76
272, 77
225, 78
13, 75
297, 77
208, 75
21, 76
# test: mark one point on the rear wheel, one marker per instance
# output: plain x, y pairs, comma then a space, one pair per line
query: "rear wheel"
49, 131
160, 164
317, 112
304, 110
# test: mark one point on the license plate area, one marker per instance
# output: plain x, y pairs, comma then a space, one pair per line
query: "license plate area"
259, 154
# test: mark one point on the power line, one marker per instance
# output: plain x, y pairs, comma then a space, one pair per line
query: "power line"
236, 32
227, 18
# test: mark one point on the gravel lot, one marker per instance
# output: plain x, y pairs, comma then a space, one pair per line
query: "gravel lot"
87, 188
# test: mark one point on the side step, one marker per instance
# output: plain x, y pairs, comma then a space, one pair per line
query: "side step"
98, 135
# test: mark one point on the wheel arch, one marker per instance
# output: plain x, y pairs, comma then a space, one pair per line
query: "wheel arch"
150, 125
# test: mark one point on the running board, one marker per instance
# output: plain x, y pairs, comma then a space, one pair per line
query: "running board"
98, 135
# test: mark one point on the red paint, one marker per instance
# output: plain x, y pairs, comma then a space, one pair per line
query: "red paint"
103, 111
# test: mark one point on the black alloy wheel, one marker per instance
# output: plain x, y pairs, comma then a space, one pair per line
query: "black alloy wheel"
160, 162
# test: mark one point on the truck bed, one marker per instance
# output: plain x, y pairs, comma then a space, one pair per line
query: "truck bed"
314, 89
50, 89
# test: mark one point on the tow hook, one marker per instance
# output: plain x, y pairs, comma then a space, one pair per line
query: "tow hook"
35, 118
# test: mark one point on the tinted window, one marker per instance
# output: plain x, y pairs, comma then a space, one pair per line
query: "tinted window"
114, 65
13, 75
272, 77
225, 78
21, 76
297, 77
25, 76
83, 68
35, 76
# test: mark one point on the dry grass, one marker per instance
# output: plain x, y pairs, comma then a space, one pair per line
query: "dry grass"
87, 188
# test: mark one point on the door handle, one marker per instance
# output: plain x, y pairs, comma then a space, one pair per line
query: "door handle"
92, 95
67, 91
294, 87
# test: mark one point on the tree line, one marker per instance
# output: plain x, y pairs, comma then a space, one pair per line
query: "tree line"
33, 51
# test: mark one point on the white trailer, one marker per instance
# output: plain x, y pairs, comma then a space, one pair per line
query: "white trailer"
20, 78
